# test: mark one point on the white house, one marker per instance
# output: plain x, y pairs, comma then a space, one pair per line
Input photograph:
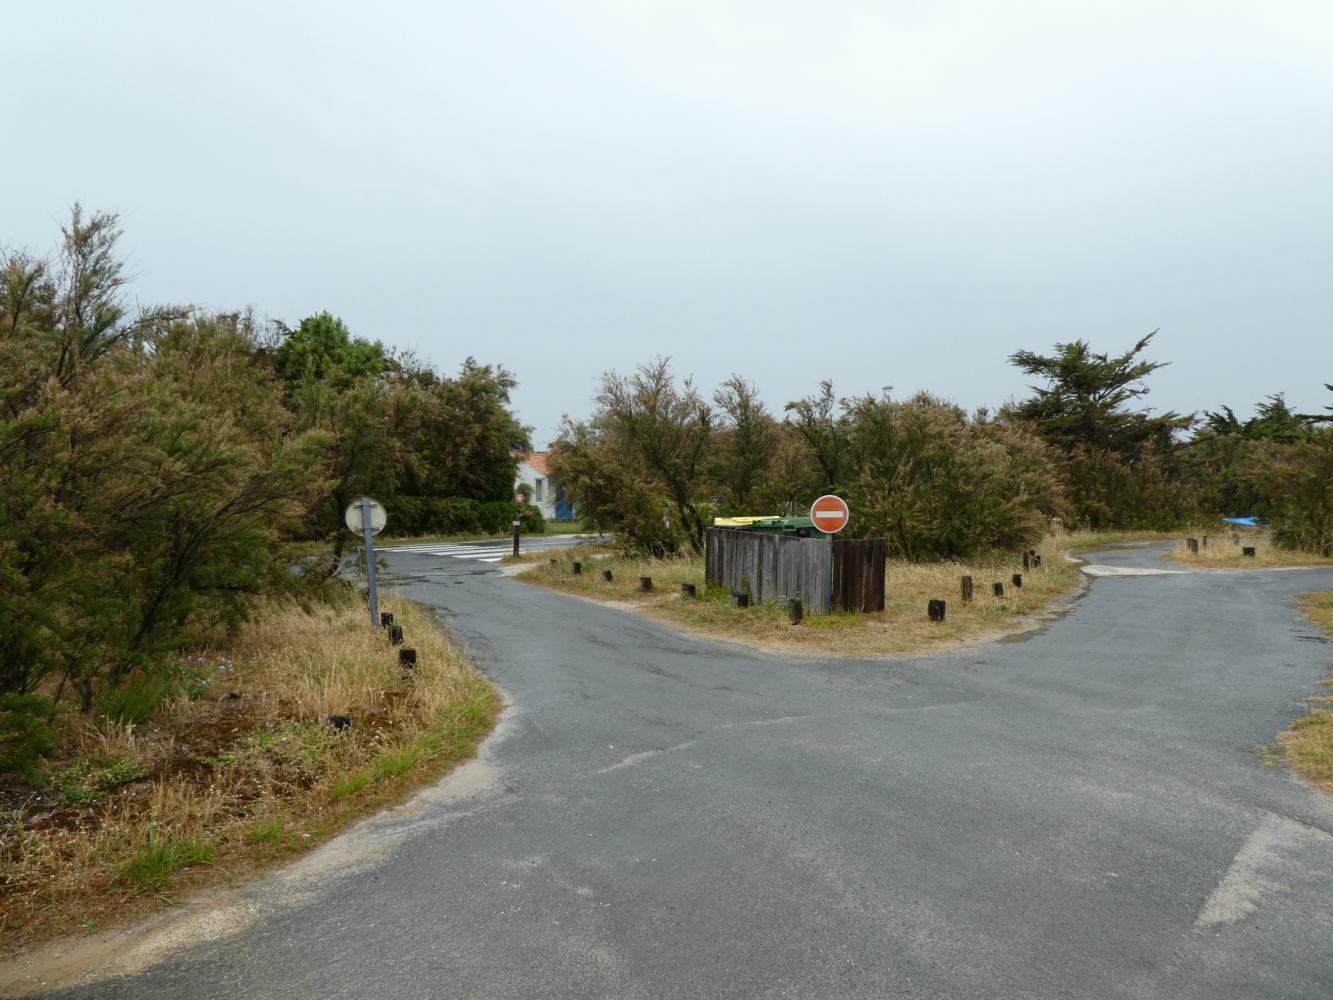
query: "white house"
533, 470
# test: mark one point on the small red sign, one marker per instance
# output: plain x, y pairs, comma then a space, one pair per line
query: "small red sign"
519, 498
830, 514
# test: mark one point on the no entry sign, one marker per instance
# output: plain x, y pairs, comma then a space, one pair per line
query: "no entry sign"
830, 514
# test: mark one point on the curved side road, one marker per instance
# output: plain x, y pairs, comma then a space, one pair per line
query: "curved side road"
1079, 814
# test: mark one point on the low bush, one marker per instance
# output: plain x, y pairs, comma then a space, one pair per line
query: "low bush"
25, 733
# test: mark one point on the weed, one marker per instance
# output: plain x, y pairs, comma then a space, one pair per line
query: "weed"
88, 779
351, 785
395, 763
268, 832
159, 859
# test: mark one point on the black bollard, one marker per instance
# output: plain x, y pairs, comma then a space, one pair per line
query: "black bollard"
1018, 579
967, 589
997, 589
1248, 550
935, 611
1193, 544
578, 568
607, 575
407, 658
386, 619
740, 599
396, 634
645, 583
1027, 556
795, 612
688, 590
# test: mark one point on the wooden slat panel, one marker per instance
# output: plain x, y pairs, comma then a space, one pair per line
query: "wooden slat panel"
775, 567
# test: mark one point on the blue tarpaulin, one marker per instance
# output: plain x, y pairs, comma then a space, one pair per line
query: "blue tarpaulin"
1249, 522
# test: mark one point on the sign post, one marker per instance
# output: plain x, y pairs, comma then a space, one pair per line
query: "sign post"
519, 499
366, 517
830, 515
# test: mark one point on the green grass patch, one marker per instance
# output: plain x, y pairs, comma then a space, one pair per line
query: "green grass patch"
395, 763
353, 784
268, 832
159, 859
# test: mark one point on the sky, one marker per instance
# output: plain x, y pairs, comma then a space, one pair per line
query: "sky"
883, 194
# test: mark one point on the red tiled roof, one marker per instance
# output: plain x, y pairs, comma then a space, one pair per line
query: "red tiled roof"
537, 459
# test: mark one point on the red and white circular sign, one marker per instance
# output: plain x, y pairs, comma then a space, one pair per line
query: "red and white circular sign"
830, 514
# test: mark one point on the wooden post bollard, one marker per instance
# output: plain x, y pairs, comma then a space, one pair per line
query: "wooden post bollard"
396, 634
645, 583
1036, 562
407, 658
935, 611
1235, 539
967, 589
740, 599
997, 589
688, 590
1027, 557
1248, 550
607, 575
578, 568
1205, 541
386, 619
795, 612
1193, 544
1018, 579
1328, 551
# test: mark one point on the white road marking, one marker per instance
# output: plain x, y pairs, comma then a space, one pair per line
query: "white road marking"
1253, 874
1095, 570
635, 759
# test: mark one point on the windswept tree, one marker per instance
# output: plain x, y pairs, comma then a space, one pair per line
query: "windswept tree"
1120, 460
747, 444
149, 468
819, 421
640, 465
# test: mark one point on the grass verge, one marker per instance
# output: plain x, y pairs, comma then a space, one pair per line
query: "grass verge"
1226, 551
1308, 743
902, 627
244, 775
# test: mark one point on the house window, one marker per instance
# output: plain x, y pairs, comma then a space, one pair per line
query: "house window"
539, 484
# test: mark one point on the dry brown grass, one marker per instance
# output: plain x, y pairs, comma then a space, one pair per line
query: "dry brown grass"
902, 628
1224, 551
1308, 743
246, 775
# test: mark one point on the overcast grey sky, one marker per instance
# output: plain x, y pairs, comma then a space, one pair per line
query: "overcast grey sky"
894, 193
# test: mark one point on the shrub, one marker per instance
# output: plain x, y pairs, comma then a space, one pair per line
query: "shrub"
137, 700
25, 733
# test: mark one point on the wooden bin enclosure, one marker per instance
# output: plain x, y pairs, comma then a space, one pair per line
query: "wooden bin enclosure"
858, 574
781, 567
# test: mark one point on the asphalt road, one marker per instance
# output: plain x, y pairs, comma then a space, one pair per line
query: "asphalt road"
1080, 814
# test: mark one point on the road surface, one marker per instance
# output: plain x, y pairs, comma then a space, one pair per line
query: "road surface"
1082, 813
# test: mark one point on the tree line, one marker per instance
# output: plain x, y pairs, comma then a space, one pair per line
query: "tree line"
157, 462
659, 458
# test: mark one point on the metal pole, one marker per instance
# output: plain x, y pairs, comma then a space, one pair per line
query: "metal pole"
828, 579
370, 563
516, 523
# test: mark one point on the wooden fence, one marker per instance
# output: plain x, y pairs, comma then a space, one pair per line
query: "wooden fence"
770, 567
778, 567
